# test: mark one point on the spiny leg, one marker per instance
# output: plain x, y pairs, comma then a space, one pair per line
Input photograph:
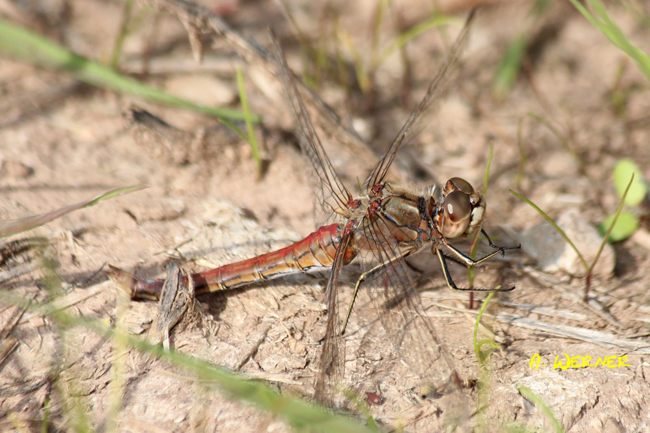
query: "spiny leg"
362, 278
496, 246
466, 259
470, 262
356, 290
460, 258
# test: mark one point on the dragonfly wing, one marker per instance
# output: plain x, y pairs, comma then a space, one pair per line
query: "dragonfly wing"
402, 315
332, 196
414, 123
332, 361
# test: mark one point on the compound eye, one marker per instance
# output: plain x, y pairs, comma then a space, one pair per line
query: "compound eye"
462, 185
458, 211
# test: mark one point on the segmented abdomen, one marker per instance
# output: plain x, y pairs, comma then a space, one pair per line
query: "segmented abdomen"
315, 251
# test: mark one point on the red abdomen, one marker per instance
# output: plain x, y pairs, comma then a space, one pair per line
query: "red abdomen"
315, 251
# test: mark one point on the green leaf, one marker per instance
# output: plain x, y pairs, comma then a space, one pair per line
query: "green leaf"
622, 173
625, 226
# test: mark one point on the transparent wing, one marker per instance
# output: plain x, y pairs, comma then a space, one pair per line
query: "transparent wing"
331, 194
401, 313
332, 361
331, 197
414, 123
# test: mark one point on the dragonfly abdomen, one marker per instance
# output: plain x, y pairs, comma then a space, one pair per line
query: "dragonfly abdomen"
315, 251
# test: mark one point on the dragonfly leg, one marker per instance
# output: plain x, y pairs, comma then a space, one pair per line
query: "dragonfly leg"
445, 270
365, 276
496, 246
356, 291
469, 262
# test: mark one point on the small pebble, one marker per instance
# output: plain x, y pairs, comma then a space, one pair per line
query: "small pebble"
546, 245
15, 170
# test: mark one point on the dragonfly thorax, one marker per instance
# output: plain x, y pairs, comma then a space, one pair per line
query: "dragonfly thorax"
460, 210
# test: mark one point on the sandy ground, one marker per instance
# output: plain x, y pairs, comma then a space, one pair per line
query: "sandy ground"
61, 143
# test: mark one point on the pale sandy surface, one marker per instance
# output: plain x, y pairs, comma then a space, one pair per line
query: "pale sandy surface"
77, 146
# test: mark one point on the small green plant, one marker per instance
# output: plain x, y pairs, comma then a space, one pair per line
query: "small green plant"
485, 368
628, 221
588, 267
483, 357
528, 395
485, 376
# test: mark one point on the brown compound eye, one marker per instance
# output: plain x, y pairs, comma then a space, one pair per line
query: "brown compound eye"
460, 184
458, 212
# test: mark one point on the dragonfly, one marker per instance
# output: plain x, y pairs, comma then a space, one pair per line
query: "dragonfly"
379, 227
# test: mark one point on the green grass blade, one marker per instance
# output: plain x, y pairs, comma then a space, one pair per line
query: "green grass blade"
299, 414
547, 218
558, 134
360, 70
67, 390
413, 32
117, 386
485, 371
362, 407
522, 153
21, 44
474, 245
479, 344
13, 227
45, 422
127, 11
380, 14
528, 394
506, 74
252, 141
488, 166
605, 24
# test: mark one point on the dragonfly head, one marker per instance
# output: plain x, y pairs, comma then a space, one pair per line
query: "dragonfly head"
463, 209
